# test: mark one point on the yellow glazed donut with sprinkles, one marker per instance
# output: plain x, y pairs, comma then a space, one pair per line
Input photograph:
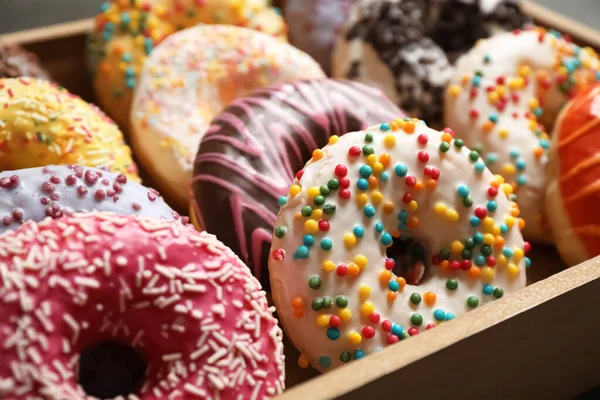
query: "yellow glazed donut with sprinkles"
42, 124
503, 99
335, 288
128, 30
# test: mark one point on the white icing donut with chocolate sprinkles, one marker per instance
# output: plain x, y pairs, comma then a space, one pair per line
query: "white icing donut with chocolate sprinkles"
180, 298
56, 190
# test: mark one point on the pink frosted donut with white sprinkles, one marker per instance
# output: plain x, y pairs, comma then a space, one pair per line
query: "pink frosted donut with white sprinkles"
180, 298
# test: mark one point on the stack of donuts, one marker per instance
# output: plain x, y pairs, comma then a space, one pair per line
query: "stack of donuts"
378, 166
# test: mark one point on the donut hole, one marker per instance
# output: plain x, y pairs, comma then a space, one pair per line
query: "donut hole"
110, 369
409, 257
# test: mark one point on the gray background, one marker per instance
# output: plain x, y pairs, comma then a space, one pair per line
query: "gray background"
24, 14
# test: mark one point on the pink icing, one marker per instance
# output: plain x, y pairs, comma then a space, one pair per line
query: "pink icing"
180, 298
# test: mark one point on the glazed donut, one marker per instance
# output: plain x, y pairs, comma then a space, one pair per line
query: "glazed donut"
188, 79
180, 298
314, 26
337, 294
503, 94
255, 146
42, 124
54, 191
407, 47
573, 179
127, 31
15, 62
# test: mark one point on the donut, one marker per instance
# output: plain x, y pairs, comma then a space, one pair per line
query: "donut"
188, 79
504, 97
255, 146
57, 190
178, 297
337, 293
43, 124
15, 62
573, 176
407, 47
127, 31
314, 26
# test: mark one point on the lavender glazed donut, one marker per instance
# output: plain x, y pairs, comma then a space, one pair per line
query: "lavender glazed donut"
253, 148
57, 190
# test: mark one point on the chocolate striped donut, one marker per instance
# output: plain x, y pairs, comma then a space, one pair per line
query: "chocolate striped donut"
252, 150
573, 190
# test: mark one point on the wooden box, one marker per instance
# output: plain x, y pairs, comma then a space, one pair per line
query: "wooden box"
536, 343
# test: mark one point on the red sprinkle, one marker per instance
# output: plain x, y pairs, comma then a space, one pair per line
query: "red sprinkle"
390, 263
423, 138
492, 191
278, 255
341, 270
481, 212
391, 339
491, 261
407, 198
323, 225
527, 247
335, 321
354, 151
423, 156
465, 265
386, 325
413, 331
473, 113
454, 265
430, 326
368, 332
341, 170
374, 317
299, 174
345, 182
410, 180
345, 194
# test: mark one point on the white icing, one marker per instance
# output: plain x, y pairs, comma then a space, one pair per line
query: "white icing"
289, 278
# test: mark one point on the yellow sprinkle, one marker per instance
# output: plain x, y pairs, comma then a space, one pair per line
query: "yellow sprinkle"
323, 320
496, 231
371, 159
507, 189
503, 133
355, 338
524, 71
389, 141
499, 179
313, 191
294, 190
367, 308
493, 97
518, 254
316, 214
533, 125
452, 215
488, 222
488, 238
508, 169
364, 291
378, 168
501, 260
509, 221
302, 361
440, 208
501, 89
334, 139
349, 240
328, 266
361, 261
513, 271
376, 197
534, 103
345, 314
488, 274
455, 90
362, 199
311, 226
412, 206
457, 246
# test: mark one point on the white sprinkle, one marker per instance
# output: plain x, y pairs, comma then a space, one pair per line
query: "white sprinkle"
178, 328
237, 303
260, 373
62, 370
176, 394
221, 338
152, 281
256, 390
181, 309
198, 353
66, 346
46, 323
256, 326
194, 288
218, 383
216, 356
164, 271
197, 314
74, 264
207, 328
171, 357
155, 291
218, 309
162, 253
121, 261
188, 387
106, 260
138, 337
156, 391
34, 355
74, 325
88, 282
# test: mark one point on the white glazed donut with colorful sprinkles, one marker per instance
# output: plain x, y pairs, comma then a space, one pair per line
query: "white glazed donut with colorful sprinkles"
180, 298
505, 94
336, 290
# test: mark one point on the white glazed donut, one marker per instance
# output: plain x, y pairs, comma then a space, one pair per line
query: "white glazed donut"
504, 94
336, 290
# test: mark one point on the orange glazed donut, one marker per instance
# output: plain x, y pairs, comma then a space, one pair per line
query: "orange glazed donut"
180, 298
573, 191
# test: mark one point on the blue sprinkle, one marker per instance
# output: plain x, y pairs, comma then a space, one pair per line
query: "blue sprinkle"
129, 72
109, 27
358, 354
324, 362
463, 191
282, 201
379, 227
277, 10
105, 6
487, 59
527, 262
393, 286
493, 117
126, 57
365, 171
491, 158
503, 228
308, 240
476, 80
450, 316
397, 330
106, 36
598, 75
492, 205
402, 215
521, 164
369, 210
521, 180
475, 222
508, 253
384, 127
538, 112
401, 169
333, 333
480, 261
130, 83
362, 184
148, 45
358, 231
487, 289
478, 238
386, 239
439, 315
479, 166
125, 19
326, 244
544, 143
384, 177
301, 253
514, 153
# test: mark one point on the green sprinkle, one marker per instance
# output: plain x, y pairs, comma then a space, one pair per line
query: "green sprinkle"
329, 208
333, 184
498, 293
325, 191
306, 211
316, 304
452, 284
472, 301
416, 319
280, 231
319, 200
341, 301
369, 137
327, 302
314, 282
415, 298
444, 147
